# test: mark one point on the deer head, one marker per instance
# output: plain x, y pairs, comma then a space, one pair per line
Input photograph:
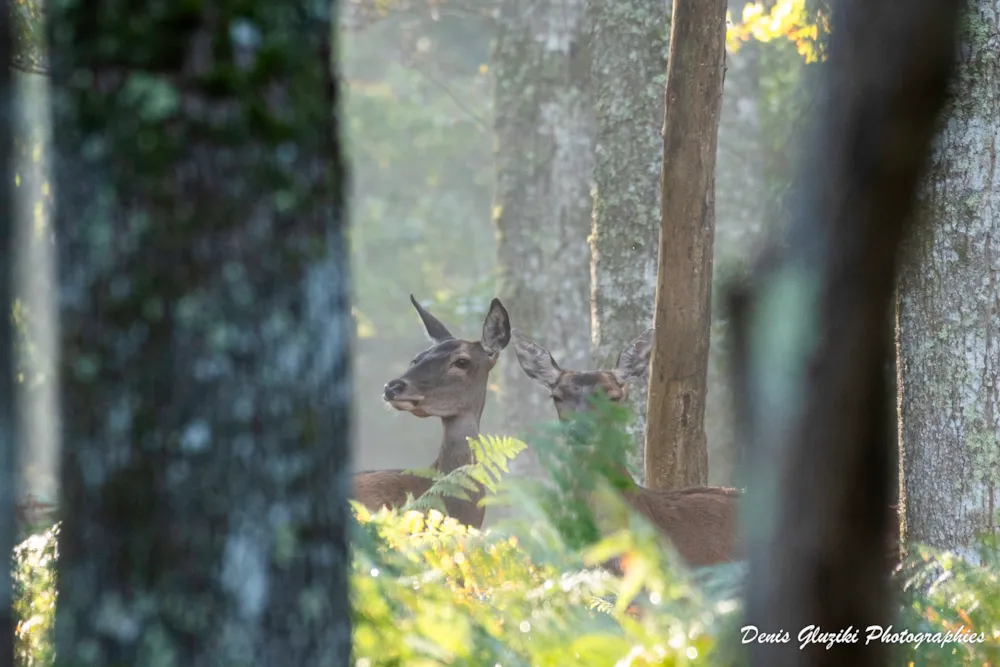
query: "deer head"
450, 378
571, 390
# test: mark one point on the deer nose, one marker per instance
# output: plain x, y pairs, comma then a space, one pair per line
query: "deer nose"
393, 388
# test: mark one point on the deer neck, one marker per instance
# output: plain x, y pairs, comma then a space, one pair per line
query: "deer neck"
455, 450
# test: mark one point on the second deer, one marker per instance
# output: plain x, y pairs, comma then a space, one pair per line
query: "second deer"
448, 381
701, 522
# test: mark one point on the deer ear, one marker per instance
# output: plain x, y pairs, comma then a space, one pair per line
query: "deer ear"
435, 330
496, 329
633, 361
535, 361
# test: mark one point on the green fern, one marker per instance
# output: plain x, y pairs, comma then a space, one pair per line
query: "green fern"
490, 454
602, 605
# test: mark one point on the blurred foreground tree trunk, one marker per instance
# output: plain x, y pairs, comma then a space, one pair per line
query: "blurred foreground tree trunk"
544, 164
36, 295
205, 335
676, 453
813, 340
8, 421
629, 43
741, 186
949, 344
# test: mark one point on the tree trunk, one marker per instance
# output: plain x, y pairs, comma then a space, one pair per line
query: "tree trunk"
949, 347
544, 165
206, 335
629, 42
676, 454
814, 383
8, 439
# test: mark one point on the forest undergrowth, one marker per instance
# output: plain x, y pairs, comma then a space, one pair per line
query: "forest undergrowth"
530, 591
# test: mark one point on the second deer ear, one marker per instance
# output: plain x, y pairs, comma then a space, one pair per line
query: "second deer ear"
437, 331
633, 361
535, 361
496, 329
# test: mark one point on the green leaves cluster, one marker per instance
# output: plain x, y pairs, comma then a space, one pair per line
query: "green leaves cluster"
34, 571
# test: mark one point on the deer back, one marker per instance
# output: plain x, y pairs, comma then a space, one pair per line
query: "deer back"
701, 522
388, 488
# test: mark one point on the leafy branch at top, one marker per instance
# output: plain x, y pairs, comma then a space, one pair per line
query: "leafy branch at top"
793, 20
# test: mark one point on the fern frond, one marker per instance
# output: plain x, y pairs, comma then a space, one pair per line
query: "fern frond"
601, 605
490, 462
426, 473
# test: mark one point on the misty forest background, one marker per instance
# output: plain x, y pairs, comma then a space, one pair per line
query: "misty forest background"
495, 148
449, 203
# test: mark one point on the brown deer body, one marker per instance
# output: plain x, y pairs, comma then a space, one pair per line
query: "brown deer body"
701, 522
448, 381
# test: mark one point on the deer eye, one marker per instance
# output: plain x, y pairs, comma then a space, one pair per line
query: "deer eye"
461, 362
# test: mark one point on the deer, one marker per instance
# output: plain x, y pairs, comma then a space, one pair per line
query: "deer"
701, 522
448, 381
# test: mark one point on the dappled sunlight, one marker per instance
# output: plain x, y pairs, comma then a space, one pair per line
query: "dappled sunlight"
786, 19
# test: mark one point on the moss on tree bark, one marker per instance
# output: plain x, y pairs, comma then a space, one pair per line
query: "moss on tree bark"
949, 347
205, 335
544, 165
629, 43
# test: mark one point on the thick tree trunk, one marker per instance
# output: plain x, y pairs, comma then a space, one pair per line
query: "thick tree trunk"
8, 440
949, 346
544, 163
629, 42
676, 454
205, 336
813, 390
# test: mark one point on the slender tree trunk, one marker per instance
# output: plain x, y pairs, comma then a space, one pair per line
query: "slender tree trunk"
629, 42
676, 454
8, 439
949, 345
205, 336
814, 387
544, 163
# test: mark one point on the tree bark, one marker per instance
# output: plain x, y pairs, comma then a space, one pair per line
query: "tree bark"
544, 165
949, 349
8, 438
205, 345
629, 42
676, 454
814, 383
